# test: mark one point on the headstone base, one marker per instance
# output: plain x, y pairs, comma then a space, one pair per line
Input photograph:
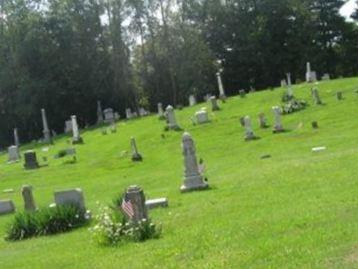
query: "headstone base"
194, 183
77, 141
202, 186
137, 157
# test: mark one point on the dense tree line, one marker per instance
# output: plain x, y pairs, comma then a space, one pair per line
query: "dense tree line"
64, 55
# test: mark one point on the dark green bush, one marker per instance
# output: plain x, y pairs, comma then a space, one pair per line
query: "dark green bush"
45, 221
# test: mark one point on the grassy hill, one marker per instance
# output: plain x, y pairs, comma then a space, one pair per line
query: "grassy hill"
297, 209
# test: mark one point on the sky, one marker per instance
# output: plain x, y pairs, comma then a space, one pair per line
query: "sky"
348, 8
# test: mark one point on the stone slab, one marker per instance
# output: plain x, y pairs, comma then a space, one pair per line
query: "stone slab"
6, 207
154, 203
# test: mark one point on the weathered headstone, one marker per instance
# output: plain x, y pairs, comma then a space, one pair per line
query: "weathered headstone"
202, 116
160, 111
46, 130
214, 103
311, 76
192, 100
68, 126
135, 195
116, 116
221, 86
193, 180
6, 207
136, 156
263, 121
339, 96
278, 128
249, 133
171, 119
326, 76
129, 114
70, 197
16, 138
242, 93
316, 98
14, 154
99, 112
29, 201
159, 202
109, 115
76, 138
283, 83
30, 160
143, 112
289, 85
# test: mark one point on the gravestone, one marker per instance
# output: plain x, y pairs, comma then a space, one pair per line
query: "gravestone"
326, 76
221, 86
109, 115
316, 98
135, 195
278, 128
116, 116
283, 83
193, 180
99, 113
202, 116
70, 197
339, 96
171, 119
242, 93
159, 202
16, 138
136, 156
6, 207
68, 126
249, 133
30, 160
160, 111
129, 114
143, 112
76, 138
214, 104
311, 76
46, 130
192, 100
29, 201
263, 121
289, 85
14, 154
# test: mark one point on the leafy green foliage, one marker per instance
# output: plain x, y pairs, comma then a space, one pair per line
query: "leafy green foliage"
45, 221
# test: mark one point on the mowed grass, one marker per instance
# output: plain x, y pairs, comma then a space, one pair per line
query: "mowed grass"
298, 209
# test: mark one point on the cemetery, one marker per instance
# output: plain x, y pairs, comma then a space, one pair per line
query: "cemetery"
200, 196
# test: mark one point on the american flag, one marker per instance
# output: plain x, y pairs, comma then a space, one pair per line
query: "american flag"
127, 207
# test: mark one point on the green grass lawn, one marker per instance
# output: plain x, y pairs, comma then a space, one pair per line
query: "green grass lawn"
298, 209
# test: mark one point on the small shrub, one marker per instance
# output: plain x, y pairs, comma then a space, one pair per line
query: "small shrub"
45, 221
112, 228
294, 105
61, 153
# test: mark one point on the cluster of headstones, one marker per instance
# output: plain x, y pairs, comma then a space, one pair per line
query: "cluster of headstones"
65, 197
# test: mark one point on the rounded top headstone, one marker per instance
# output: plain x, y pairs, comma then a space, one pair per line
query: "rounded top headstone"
186, 136
133, 188
169, 107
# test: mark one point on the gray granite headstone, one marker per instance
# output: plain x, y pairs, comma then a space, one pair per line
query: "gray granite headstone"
29, 201
263, 121
278, 128
214, 103
171, 119
76, 138
6, 207
242, 93
14, 153
109, 115
193, 180
202, 116
68, 126
221, 86
160, 111
192, 100
46, 130
70, 197
129, 114
135, 195
30, 160
249, 133
311, 76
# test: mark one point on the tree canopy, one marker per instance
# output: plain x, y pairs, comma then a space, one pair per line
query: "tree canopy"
64, 55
